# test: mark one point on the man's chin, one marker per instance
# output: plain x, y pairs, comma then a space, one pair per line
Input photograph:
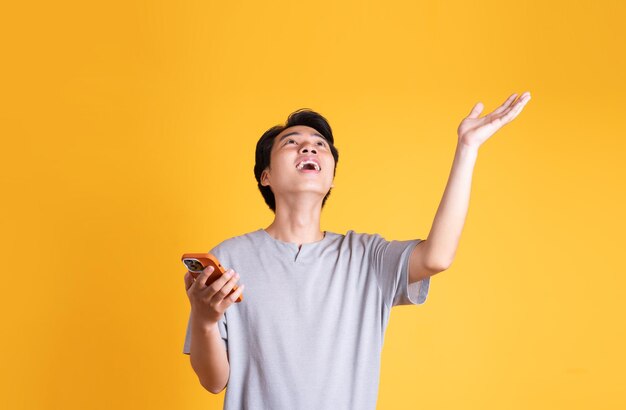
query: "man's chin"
305, 191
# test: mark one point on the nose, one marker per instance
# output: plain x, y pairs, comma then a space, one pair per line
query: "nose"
305, 149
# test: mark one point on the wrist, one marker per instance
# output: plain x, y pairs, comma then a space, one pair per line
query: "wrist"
466, 150
201, 324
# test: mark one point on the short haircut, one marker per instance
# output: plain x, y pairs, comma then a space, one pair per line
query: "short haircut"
303, 116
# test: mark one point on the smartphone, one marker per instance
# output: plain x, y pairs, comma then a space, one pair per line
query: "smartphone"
197, 262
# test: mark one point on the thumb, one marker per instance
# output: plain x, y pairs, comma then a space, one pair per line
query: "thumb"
478, 108
188, 280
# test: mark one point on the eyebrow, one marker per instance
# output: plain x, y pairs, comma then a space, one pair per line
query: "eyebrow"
315, 134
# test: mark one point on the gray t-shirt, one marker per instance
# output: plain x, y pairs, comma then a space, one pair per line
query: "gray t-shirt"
310, 329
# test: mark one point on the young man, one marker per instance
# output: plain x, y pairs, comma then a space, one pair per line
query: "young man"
310, 330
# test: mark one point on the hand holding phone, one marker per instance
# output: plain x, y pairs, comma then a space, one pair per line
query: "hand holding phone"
197, 263
211, 290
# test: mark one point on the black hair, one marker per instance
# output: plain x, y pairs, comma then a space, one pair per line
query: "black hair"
303, 116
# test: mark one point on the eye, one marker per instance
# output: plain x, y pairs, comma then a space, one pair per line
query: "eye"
290, 140
321, 143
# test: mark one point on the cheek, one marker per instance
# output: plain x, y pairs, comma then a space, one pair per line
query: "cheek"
281, 168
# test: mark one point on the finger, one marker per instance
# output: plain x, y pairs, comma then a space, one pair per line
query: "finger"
515, 109
188, 280
226, 289
522, 100
505, 118
220, 282
232, 298
237, 293
478, 108
202, 278
505, 104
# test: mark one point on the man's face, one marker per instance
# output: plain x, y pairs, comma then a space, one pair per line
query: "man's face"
300, 161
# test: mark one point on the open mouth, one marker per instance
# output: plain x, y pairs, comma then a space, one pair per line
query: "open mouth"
308, 166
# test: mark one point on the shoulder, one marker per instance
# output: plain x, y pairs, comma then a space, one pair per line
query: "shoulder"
236, 244
363, 236
363, 240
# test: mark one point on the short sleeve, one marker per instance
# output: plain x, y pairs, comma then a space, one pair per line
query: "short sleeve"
390, 262
221, 326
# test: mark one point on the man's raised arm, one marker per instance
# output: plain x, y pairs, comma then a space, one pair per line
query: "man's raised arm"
437, 252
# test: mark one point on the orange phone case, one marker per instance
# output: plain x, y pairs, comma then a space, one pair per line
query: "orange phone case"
197, 262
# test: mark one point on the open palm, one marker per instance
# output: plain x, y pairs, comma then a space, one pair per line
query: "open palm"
474, 131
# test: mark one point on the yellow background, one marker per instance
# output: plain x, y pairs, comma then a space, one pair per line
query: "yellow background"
128, 133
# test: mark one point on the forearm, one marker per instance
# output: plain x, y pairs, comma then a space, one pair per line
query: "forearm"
208, 356
445, 232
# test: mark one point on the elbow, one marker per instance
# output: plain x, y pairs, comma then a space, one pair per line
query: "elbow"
212, 389
209, 383
441, 263
436, 260
216, 391
439, 266
219, 390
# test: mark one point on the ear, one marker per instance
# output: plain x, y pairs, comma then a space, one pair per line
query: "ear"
265, 178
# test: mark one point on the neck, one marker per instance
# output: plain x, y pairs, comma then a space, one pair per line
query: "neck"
297, 222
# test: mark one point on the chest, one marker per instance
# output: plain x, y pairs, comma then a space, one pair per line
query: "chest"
281, 295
